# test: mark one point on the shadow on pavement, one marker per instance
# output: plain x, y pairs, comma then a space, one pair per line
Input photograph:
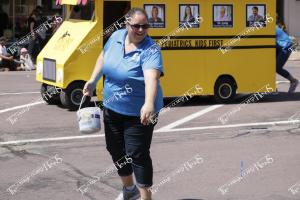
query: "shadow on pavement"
209, 100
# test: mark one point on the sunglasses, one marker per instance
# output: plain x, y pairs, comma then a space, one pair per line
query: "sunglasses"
138, 26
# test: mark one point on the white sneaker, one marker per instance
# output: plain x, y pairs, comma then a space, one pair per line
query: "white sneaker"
293, 86
129, 194
120, 197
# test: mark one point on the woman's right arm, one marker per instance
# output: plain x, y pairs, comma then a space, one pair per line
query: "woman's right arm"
96, 75
31, 26
6, 57
32, 29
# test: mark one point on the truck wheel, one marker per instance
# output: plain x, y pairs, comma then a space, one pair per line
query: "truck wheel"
225, 90
50, 94
72, 95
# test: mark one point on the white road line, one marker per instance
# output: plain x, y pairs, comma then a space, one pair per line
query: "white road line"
195, 115
168, 128
19, 72
278, 82
172, 130
188, 118
21, 106
229, 126
17, 93
50, 139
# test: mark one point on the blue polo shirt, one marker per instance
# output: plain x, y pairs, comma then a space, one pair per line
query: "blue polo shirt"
282, 39
124, 85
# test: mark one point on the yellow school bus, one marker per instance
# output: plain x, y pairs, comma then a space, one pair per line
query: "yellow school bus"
226, 47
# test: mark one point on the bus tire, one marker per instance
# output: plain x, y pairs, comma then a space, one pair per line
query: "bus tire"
225, 90
72, 95
51, 96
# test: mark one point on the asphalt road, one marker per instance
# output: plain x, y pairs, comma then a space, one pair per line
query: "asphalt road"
254, 155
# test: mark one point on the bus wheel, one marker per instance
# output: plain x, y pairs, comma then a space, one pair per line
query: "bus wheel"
50, 94
72, 95
225, 90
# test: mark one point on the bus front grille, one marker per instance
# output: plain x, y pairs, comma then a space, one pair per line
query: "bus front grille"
49, 70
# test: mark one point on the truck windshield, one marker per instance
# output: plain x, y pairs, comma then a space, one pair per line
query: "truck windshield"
83, 12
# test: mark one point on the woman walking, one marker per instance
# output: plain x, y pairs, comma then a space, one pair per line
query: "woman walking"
283, 52
132, 65
34, 42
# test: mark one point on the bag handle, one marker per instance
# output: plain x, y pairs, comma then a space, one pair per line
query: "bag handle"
82, 99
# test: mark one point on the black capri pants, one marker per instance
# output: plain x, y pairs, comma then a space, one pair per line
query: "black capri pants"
126, 136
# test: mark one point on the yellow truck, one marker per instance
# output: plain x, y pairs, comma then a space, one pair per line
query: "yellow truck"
226, 48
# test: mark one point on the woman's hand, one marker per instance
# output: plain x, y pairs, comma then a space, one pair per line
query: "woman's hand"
146, 113
88, 88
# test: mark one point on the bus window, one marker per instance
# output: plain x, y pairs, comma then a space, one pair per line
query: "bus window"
113, 16
83, 12
222, 16
256, 15
156, 15
188, 13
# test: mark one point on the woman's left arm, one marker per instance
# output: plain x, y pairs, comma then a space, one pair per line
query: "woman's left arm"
151, 77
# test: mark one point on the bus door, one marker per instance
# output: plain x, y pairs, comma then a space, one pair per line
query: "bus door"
113, 14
